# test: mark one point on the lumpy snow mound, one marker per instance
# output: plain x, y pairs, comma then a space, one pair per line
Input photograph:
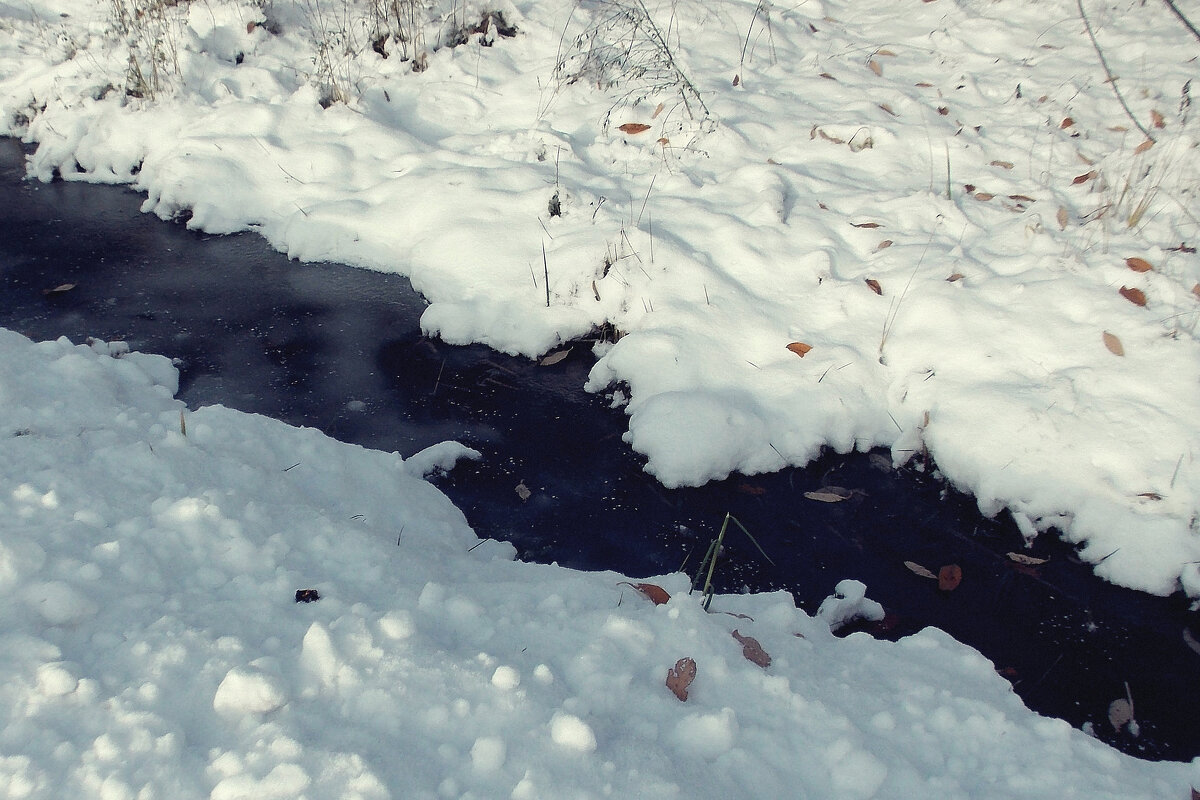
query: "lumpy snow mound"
154, 644
982, 242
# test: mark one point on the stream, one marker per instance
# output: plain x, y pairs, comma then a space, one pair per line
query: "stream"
340, 349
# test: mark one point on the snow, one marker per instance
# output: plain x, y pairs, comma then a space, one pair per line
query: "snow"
970, 158
154, 645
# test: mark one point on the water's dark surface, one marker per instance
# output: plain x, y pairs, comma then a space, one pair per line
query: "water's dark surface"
340, 349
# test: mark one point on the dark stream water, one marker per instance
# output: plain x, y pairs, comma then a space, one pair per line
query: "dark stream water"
340, 349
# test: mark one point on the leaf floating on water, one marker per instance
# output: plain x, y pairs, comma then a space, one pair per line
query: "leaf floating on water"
1138, 264
1135, 296
1028, 561
917, 569
633, 127
1120, 713
875, 287
523, 491
799, 348
653, 592
1113, 344
752, 650
680, 677
830, 494
553, 358
1191, 641
949, 577
60, 289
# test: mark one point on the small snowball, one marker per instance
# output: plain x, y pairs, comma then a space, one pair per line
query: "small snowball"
572, 733
506, 678
487, 754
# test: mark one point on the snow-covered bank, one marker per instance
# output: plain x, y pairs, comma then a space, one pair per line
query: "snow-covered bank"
153, 646
938, 198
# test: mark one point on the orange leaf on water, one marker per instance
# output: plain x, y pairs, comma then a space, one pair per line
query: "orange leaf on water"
799, 348
680, 677
1138, 264
949, 577
633, 127
917, 569
1135, 296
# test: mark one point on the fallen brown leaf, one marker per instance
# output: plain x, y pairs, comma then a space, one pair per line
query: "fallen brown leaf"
1062, 218
1138, 264
885, 244
1067, 122
830, 494
680, 677
1143, 147
875, 67
553, 358
1135, 296
875, 287
658, 110
652, 592
633, 127
1028, 561
1084, 178
949, 577
956, 276
1003, 164
1157, 119
866, 225
752, 650
984, 196
799, 348
60, 289
1113, 344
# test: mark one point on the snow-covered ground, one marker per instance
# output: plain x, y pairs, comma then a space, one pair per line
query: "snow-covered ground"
847, 224
939, 198
152, 645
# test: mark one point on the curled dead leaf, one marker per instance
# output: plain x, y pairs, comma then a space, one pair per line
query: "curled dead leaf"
1157, 119
1066, 123
799, 348
866, 225
949, 577
984, 196
875, 67
943, 110
1190, 640
1084, 178
1113, 344
885, 244
1029, 561
633, 127
664, 141
658, 110
737, 80
680, 677
60, 289
1150, 495
874, 285
1023, 198
1003, 164
1138, 264
656, 594
885, 52
1135, 296
752, 650
956, 276
1143, 147
917, 569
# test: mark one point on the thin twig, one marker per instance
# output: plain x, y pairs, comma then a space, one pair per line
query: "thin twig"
1112, 79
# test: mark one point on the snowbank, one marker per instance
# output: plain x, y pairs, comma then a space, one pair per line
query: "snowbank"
939, 199
154, 643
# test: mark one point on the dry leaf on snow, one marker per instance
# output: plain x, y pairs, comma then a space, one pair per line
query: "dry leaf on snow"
866, 225
1062, 218
654, 593
875, 287
1085, 177
799, 348
1003, 164
1138, 264
885, 244
1157, 119
1143, 147
1135, 296
633, 127
875, 67
658, 110
752, 650
1113, 344
1067, 122
949, 577
917, 569
680, 677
